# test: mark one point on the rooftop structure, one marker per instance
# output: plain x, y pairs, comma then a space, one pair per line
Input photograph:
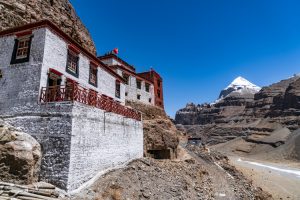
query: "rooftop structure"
146, 87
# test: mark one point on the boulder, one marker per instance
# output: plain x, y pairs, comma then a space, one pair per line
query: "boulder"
20, 156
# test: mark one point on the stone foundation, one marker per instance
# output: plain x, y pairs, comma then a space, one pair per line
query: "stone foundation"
78, 141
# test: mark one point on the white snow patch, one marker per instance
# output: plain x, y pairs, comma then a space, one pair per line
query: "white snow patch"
290, 171
240, 83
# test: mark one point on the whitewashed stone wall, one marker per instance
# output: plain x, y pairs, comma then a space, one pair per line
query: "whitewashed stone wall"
132, 90
55, 56
19, 86
72, 144
101, 141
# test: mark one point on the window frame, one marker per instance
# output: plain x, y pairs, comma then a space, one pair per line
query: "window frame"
124, 75
76, 55
14, 58
118, 89
147, 87
138, 97
138, 86
93, 67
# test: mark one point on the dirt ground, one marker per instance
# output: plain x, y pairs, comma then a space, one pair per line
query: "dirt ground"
195, 175
280, 184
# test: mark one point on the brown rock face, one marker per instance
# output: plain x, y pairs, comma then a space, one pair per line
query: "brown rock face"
20, 156
160, 134
274, 106
19, 12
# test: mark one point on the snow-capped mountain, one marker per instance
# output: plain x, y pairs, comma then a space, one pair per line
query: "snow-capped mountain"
239, 86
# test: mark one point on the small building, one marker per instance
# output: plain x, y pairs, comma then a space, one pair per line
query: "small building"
69, 100
146, 87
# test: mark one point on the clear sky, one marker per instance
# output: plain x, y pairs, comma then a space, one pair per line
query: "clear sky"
199, 46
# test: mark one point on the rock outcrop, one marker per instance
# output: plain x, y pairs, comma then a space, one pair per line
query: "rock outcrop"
245, 113
20, 156
160, 134
19, 12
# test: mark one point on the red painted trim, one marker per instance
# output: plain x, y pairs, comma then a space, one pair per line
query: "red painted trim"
93, 91
55, 72
72, 81
117, 58
24, 33
73, 48
94, 63
63, 35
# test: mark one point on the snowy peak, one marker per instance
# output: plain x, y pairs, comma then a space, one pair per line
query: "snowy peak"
239, 86
240, 83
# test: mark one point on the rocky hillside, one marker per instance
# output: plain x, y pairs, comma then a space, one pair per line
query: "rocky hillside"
19, 12
160, 134
273, 107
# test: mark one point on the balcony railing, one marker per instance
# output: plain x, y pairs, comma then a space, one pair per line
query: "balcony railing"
88, 97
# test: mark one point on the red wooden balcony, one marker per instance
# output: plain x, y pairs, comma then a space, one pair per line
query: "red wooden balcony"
88, 97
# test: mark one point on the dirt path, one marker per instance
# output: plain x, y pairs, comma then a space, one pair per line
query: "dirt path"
281, 181
221, 181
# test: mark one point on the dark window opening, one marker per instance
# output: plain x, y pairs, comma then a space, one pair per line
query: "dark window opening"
51, 2
118, 89
93, 75
126, 78
21, 50
158, 83
158, 93
147, 87
72, 63
150, 100
126, 94
1, 73
138, 84
138, 96
160, 154
54, 79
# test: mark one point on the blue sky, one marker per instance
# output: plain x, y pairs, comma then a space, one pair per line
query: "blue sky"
199, 46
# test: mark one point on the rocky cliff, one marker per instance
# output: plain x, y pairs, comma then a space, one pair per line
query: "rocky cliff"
19, 12
244, 114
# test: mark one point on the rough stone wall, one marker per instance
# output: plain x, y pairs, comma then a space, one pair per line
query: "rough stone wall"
78, 141
101, 141
19, 12
51, 126
19, 86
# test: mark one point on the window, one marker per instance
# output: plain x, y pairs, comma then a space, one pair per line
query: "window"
21, 51
158, 83
93, 75
150, 100
126, 94
138, 96
126, 78
158, 93
72, 63
1, 73
147, 87
118, 89
138, 84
